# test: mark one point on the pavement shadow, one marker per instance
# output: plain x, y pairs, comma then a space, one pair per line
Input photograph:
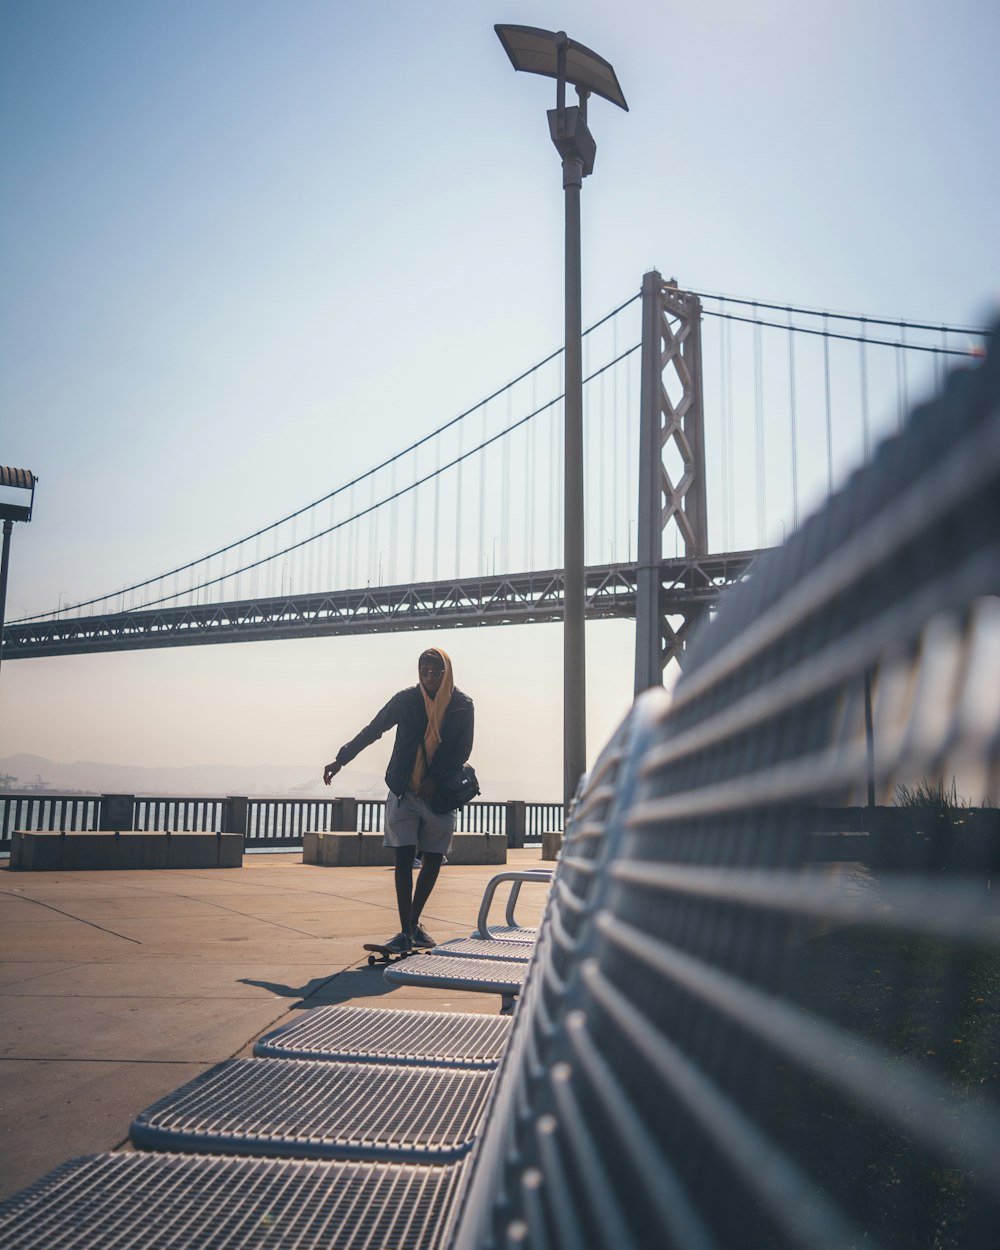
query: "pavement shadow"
339, 987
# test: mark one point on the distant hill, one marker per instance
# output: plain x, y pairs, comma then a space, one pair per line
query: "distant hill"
93, 777
214, 779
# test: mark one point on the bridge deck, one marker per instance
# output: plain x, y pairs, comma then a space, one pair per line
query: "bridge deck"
500, 599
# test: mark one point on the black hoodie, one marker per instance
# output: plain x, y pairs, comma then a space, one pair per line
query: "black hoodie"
407, 712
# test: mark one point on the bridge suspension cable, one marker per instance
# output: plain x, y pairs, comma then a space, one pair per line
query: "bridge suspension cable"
444, 463
794, 310
797, 397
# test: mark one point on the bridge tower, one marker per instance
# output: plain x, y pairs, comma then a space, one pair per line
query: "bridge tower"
671, 465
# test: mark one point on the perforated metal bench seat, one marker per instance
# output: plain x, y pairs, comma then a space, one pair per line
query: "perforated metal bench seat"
512, 933
314, 1109
194, 1202
450, 972
484, 948
365, 1034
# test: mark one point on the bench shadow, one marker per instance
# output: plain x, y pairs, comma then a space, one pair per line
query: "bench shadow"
339, 987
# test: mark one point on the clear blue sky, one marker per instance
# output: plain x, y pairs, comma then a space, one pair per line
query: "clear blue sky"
247, 247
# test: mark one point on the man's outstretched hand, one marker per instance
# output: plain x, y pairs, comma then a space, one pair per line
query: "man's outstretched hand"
330, 772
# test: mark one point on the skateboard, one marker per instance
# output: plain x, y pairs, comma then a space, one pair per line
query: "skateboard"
382, 954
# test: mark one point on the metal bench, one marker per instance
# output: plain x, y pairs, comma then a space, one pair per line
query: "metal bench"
376, 1035
424, 1038
318, 1109
510, 931
475, 976
592, 837
428, 1038
511, 941
742, 1045
356, 1083
759, 1048
483, 948
193, 1202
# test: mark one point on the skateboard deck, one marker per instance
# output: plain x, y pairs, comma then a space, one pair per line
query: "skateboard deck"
382, 954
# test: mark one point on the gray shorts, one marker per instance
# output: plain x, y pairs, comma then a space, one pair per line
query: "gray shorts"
410, 822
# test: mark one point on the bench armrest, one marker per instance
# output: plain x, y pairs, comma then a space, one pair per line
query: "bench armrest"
517, 877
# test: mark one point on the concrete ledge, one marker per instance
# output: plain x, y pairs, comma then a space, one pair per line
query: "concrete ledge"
552, 844
365, 850
50, 852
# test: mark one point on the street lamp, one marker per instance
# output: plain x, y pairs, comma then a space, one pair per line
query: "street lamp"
554, 55
13, 507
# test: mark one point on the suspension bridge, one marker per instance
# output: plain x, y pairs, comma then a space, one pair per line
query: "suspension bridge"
713, 425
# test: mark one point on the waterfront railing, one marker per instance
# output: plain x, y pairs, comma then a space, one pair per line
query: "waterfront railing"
266, 823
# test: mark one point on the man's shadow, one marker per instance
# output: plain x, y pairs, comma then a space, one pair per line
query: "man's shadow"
338, 987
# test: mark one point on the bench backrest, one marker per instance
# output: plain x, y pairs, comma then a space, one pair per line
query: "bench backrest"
742, 1044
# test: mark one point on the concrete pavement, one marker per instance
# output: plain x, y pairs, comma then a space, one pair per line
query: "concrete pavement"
116, 987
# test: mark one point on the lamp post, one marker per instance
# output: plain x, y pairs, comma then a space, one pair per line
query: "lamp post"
554, 55
12, 509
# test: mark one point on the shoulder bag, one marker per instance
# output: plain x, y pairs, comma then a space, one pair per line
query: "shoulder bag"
462, 788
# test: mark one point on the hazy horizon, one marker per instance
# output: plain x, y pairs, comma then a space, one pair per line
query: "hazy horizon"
219, 779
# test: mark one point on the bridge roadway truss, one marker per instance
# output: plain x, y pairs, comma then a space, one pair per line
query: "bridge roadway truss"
688, 587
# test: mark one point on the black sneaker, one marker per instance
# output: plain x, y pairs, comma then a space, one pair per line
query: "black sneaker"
420, 939
399, 945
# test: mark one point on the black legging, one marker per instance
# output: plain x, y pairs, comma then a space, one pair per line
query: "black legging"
410, 901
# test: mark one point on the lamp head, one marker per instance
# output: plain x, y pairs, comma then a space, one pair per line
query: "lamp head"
537, 51
15, 484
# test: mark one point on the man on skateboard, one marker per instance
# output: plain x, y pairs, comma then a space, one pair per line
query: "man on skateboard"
434, 723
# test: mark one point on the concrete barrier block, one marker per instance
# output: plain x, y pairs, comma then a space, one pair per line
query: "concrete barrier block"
48, 851
345, 849
552, 844
476, 848
151, 849
371, 852
352, 850
32, 854
195, 850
